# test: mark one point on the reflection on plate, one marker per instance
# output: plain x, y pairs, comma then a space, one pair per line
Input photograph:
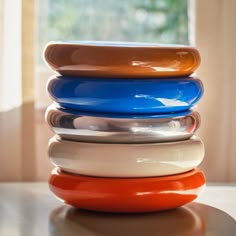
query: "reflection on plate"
193, 220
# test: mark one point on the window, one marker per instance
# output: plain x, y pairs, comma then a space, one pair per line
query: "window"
162, 21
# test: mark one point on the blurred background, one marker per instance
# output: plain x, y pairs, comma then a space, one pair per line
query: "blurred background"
27, 25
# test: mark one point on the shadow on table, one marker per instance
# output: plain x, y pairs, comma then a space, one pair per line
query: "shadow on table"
192, 219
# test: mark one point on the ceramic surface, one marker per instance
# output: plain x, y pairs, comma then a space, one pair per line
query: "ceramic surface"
114, 59
86, 128
126, 160
130, 96
126, 195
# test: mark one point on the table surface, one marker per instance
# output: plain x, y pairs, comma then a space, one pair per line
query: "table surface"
31, 209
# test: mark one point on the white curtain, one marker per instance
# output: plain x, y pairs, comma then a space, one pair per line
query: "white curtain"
17, 113
215, 35
10, 54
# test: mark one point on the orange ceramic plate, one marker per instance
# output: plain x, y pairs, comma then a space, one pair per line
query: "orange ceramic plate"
127, 194
114, 59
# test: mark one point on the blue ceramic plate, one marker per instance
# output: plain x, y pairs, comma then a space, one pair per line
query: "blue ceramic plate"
129, 96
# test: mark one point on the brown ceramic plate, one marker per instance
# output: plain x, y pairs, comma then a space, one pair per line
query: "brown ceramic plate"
114, 59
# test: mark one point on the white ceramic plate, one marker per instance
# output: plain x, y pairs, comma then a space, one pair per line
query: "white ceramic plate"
126, 160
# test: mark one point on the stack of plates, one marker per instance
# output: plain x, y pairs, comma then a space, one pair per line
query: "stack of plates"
124, 125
